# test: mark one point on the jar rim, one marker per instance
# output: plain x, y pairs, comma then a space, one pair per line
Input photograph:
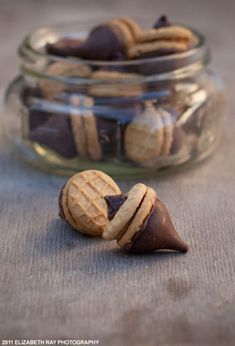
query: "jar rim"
32, 45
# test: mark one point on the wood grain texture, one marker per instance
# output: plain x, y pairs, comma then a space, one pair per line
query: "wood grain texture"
55, 283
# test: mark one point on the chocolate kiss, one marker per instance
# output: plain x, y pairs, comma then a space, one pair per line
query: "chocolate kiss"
162, 22
157, 233
102, 44
113, 204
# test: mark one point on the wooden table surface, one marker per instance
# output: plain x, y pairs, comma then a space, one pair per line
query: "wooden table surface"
57, 284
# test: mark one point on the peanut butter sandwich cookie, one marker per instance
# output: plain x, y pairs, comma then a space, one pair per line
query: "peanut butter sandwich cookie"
82, 203
140, 222
123, 32
144, 136
84, 127
93, 144
116, 84
133, 27
149, 136
151, 49
96, 136
170, 33
163, 39
52, 87
80, 105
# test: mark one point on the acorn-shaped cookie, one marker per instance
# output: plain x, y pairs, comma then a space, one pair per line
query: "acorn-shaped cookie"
140, 222
82, 203
149, 135
108, 41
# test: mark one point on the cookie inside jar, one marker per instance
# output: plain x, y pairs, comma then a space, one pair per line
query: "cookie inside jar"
129, 97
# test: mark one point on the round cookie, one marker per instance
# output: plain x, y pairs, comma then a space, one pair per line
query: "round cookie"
83, 201
77, 121
68, 69
166, 33
144, 136
118, 225
149, 49
123, 32
132, 25
79, 134
84, 127
161, 41
50, 87
117, 84
142, 213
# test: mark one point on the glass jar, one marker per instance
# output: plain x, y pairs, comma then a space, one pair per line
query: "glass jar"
127, 118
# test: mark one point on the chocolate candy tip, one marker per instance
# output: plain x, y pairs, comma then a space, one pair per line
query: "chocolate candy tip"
180, 246
184, 248
162, 21
113, 204
157, 233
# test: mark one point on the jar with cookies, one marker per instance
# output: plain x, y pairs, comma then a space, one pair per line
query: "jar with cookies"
131, 98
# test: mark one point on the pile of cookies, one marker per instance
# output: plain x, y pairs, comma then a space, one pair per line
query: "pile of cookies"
124, 39
113, 113
92, 203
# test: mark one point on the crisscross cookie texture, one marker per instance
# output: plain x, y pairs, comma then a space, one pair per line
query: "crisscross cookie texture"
85, 200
